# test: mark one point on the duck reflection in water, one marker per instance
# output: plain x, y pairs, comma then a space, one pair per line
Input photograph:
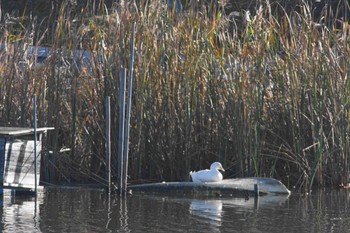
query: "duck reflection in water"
209, 211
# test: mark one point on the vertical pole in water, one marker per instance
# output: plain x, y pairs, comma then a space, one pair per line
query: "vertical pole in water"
35, 176
127, 123
108, 141
121, 130
256, 196
256, 190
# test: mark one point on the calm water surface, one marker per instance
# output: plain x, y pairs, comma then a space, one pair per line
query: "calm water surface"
89, 210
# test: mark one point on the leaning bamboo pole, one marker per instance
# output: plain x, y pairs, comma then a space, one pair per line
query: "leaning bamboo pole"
128, 110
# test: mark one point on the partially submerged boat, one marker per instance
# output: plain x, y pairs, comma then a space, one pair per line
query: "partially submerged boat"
253, 186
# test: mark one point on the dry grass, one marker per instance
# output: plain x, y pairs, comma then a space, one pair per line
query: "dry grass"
269, 99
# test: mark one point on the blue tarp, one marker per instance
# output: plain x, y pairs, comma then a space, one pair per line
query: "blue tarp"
81, 58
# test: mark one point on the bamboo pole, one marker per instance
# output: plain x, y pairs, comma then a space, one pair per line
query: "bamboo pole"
108, 142
35, 165
128, 109
121, 130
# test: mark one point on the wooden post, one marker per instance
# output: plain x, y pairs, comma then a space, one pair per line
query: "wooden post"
108, 142
35, 168
256, 196
256, 190
121, 130
128, 109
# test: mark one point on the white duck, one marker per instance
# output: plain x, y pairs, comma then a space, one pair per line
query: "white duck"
212, 175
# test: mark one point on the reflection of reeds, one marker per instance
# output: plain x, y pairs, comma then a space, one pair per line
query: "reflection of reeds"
269, 100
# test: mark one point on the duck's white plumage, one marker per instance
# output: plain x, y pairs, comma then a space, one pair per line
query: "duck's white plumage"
208, 175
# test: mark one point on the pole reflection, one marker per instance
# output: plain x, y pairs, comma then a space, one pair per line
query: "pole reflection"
123, 212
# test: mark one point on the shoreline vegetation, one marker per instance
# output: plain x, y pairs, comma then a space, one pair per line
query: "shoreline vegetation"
266, 93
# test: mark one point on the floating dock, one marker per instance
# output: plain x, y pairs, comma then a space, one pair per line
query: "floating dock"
254, 186
18, 163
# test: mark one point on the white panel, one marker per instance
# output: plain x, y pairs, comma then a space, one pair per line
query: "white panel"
19, 163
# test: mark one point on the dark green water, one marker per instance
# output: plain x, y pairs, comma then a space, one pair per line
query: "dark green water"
88, 210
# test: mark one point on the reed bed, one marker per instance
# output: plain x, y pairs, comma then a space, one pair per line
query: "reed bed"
266, 94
